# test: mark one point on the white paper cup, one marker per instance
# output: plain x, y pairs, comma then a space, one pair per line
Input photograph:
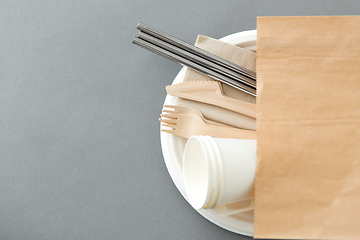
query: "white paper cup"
218, 172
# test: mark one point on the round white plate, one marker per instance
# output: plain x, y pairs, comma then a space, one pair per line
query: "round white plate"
173, 148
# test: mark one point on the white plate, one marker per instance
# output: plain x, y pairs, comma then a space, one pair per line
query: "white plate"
173, 147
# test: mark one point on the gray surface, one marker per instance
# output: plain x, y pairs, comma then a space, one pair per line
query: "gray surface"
79, 145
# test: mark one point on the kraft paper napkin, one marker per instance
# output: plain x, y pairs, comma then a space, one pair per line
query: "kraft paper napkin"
237, 55
308, 124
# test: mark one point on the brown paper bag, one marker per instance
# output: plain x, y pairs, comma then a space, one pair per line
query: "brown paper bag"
308, 121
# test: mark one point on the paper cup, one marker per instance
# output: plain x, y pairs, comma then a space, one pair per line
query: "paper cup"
218, 172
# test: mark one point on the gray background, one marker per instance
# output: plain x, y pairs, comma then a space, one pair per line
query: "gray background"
80, 154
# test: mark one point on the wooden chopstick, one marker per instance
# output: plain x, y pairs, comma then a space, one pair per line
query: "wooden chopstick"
174, 57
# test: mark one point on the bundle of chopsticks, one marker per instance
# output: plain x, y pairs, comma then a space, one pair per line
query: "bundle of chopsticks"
196, 58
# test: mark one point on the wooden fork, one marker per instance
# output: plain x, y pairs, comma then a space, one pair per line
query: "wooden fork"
187, 125
187, 110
